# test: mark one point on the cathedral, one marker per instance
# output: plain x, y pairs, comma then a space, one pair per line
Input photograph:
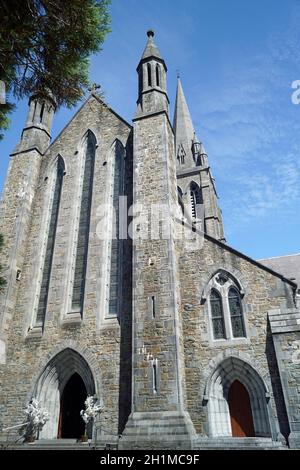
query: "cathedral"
121, 287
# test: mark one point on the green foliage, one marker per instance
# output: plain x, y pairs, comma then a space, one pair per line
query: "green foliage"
2, 280
46, 44
5, 109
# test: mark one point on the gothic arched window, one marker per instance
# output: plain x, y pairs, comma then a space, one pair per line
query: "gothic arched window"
157, 72
43, 295
84, 223
227, 319
236, 313
42, 111
196, 198
116, 243
34, 110
217, 315
140, 82
149, 75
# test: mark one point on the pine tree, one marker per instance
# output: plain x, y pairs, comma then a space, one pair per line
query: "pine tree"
46, 44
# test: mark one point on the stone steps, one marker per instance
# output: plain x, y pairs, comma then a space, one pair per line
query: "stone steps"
150, 441
50, 444
237, 443
157, 430
156, 424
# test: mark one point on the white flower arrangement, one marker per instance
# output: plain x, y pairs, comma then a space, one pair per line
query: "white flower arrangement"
36, 416
91, 410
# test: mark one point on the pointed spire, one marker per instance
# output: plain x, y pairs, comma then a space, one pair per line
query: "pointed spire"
152, 88
184, 130
151, 49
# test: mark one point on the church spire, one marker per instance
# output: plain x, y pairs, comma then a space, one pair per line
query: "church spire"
152, 92
193, 171
151, 49
187, 145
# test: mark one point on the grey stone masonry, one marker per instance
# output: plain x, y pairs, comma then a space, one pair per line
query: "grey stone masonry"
157, 318
16, 208
152, 92
285, 328
95, 345
158, 361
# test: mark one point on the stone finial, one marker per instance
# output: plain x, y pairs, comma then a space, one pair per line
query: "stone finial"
151, 49
94, 87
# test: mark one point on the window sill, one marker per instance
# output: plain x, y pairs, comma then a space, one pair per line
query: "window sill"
229, 341
34, 332
108, 322
72, 318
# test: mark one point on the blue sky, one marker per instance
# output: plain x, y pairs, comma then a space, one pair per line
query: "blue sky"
237, 60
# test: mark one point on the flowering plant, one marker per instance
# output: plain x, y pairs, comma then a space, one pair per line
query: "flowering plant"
91, 410
36, 416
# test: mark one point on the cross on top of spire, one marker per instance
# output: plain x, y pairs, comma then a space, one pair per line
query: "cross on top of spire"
94, 87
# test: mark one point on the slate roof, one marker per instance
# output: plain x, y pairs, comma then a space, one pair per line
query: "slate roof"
288, 266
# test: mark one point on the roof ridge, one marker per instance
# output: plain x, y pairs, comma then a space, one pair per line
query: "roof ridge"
276, 257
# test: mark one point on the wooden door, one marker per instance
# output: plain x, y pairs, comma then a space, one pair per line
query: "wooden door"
240, 411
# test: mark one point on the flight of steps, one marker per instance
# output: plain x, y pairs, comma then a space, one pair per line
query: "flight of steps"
155, 438
237, 443
157, 430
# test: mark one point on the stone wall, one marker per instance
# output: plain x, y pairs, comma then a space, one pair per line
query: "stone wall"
99, 340
285, 328
262, 291
154, 268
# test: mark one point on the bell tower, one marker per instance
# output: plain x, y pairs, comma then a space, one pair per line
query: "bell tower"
152, 92
36, 133
158, 376
18, 197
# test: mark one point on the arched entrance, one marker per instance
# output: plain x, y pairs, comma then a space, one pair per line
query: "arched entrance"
240, 411
237, 403
71, 425
62, 389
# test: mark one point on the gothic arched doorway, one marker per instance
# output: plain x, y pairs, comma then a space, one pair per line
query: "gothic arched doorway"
240, 411
233, 384
62, 388
71, 425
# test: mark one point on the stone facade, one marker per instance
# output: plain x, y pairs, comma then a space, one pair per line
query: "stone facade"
193, 315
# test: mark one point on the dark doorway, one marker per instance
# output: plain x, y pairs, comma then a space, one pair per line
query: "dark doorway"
240, 411
71, 425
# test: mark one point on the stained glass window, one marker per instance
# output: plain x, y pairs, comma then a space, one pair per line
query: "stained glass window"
236, 314
114, 287
84, 224
43, 297
217, 315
